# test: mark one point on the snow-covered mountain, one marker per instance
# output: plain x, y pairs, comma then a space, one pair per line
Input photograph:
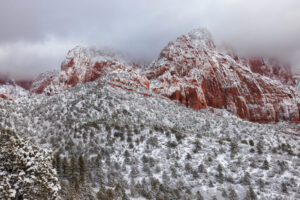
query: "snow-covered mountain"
179, 129
11, 92
80, 66
193, 71
154, 148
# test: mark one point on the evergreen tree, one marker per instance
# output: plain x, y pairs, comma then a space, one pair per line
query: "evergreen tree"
232, 195
57, 164
65, 168
261, 183
233, 148
220, 175
259, 147
265, 165
26, 171
246, 179
250, 194
73, 172
82, 168
284, 188
199, 196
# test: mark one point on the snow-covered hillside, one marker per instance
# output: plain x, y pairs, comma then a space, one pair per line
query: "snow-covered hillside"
12, 92
26, 171
137, 147
174, 130
193, 71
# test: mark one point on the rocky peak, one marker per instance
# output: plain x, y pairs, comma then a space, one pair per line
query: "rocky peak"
80, 66
270, 67
201, 38
194, 72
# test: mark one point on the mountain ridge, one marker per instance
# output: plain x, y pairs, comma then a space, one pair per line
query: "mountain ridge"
199, 66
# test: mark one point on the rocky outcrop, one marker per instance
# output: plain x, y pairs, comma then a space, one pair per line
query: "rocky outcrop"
44, 81
128, 79
3, 96
194, 72
270, 67
81, 65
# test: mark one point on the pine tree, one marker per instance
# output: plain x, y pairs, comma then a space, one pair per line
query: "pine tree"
57, 164
82, 168
233, 149
265, 165
246, 179
199, 196
220, 175
232, 194
65, 168
17, 156
261, 183
284, 188
73, 172
260, 147
250, 194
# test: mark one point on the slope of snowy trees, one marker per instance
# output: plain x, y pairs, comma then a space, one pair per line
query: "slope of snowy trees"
111, 143
26, 170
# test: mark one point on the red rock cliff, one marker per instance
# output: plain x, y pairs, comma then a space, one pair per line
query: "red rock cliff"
193, 71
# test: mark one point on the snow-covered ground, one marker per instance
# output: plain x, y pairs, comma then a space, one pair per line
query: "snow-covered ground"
13, 91
153, 147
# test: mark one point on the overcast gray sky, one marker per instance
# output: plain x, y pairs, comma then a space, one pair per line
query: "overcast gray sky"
35, 35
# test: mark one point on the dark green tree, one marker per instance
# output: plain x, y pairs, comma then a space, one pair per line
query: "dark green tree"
259, 147
65, 168
265, 165
220, 175
73, 172
232, 195
82, 168
284, 188
250, 194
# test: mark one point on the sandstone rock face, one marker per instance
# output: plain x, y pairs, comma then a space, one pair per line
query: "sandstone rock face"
194, 72
3, 96
26, 84
81, 65
128, 79
44, 81
270, 67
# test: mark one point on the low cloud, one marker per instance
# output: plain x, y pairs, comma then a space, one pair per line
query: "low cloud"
25, 60
36, 35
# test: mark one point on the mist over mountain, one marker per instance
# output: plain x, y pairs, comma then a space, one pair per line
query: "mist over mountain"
111, 100
35, 40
